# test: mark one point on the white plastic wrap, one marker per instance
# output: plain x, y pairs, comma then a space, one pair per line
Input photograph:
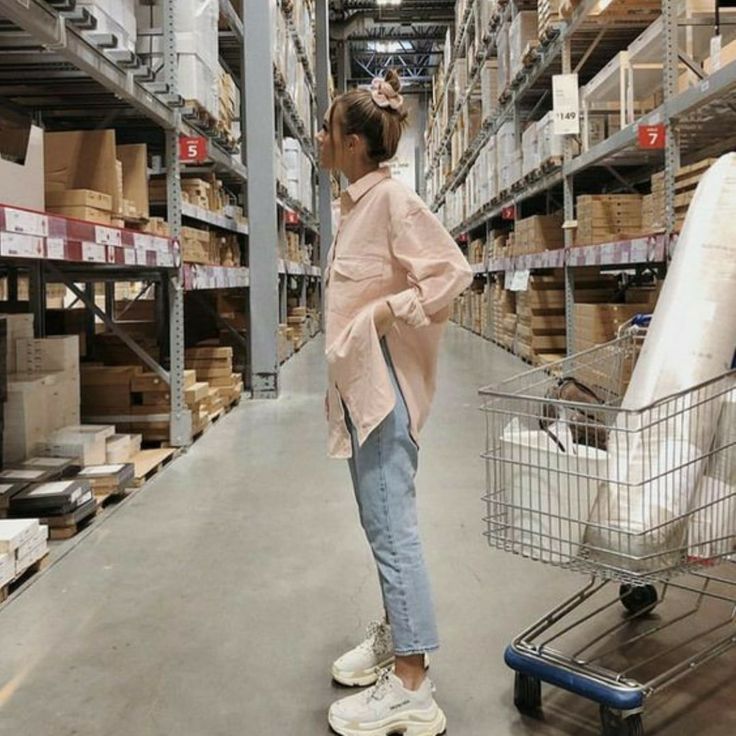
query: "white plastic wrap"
656, 456
723, 464
550, 492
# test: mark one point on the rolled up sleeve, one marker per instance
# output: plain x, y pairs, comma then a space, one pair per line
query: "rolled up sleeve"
437, 271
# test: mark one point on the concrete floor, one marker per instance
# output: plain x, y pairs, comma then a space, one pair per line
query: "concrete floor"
213, 602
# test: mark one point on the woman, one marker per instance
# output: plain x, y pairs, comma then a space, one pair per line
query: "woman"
392, 273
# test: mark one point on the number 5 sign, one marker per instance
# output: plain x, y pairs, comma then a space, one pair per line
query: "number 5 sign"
652, 136
192, 149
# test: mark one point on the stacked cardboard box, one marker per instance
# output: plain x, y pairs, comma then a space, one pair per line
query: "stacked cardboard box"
549, 18
84, 443
297, 322
608, 217
539, 233
111, 350
477, 251
503, 315
214, 365
686, 182
42, 387
654, 210
541, 315
228, 102
523, 36
90, 177
197, 247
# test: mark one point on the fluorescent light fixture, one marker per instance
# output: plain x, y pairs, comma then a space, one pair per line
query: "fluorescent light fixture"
386, 47
385, 3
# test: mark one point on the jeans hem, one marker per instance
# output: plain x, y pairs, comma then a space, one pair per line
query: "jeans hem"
415, 652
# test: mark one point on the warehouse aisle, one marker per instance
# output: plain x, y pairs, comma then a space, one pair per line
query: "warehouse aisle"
214, 601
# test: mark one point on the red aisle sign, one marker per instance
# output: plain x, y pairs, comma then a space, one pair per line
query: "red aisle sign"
462, 238
291, 218
652, 136
192, 149
508, 213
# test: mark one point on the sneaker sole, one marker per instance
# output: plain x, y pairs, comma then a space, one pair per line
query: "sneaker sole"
362, 678
409, 725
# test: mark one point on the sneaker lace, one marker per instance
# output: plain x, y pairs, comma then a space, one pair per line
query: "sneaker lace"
379, 690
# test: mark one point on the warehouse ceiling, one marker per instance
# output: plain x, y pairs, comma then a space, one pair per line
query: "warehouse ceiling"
408, 36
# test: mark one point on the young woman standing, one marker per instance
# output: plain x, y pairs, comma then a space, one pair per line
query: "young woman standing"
393, 272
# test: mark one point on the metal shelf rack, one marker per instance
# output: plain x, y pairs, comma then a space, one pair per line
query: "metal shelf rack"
695, 121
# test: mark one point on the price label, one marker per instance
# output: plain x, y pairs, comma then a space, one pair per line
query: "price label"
565, 104
129, 256
17, 244
94, 253
55, 249
108, 235
715, 53
192, 149
517, 280
652, 136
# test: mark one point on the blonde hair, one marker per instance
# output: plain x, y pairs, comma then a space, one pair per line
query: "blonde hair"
380, 126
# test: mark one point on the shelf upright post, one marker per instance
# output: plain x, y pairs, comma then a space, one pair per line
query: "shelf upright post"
323, 104
672, 147
259, 130
245, 249
569, 214
181, 417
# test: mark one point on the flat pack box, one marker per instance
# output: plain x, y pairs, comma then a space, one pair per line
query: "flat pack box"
83, 159
79, 198
16, 533
7, 569
134, 160
55, 353
21, 165
29, 413
121, 448
18, 326
87, 443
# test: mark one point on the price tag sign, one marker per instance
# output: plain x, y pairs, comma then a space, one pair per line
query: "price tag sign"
652, 136
565, 104
715, 53
517, 280
192, 149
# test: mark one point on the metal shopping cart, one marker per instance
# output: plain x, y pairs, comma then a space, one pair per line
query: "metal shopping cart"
644, 502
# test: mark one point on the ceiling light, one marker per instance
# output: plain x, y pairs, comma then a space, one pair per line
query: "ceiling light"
384, 3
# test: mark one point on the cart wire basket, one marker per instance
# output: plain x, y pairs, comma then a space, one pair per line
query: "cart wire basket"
643, 501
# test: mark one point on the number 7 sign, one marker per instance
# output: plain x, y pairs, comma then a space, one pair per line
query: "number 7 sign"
652, 136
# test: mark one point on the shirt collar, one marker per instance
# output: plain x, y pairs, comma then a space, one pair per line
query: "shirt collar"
358, 189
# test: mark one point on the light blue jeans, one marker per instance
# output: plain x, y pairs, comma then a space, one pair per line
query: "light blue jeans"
383, 472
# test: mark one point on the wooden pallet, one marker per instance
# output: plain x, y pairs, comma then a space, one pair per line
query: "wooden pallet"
23, 578
531, 54
67, 527
149, 463
553, 162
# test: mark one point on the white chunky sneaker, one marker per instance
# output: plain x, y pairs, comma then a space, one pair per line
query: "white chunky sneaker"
361, 666
389, 708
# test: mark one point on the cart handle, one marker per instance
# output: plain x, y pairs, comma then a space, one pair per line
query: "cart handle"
641, 320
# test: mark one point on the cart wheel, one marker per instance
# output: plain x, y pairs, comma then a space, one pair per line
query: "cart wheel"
527, 693
615, 724
638, 598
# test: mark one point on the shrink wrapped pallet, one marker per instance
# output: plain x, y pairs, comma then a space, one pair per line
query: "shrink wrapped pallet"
659, 445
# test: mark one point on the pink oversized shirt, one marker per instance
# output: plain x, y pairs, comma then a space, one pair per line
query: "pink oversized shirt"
388, 247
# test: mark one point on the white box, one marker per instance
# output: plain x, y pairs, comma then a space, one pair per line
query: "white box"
14, 533
523, 30
22, 184
117, 17
7, 569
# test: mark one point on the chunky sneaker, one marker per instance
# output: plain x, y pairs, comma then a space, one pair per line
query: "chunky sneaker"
389, 708
361, 666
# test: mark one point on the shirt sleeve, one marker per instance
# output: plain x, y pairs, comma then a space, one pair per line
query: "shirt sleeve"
437, 271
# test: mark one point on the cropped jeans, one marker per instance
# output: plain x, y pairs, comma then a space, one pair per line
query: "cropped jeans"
383, 472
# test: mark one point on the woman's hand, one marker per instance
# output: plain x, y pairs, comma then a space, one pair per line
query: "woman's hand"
383, 319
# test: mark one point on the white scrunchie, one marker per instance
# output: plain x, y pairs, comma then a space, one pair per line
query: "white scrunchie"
384, 95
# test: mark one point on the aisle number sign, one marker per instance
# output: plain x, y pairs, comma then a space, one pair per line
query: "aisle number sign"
652, 136
565, 104
192, 149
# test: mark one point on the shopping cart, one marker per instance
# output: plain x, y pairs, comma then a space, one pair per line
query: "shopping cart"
644, 502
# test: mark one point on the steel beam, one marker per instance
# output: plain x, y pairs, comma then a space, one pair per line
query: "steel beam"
323, 104
259, 128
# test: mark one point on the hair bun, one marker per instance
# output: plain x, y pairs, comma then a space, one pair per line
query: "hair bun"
393, 79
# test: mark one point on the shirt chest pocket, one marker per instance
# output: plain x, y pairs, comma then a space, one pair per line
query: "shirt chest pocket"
355, 281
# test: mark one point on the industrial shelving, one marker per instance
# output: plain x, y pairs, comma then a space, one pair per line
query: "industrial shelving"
695, 120
55, 65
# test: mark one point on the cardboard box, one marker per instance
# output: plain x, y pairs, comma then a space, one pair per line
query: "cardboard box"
56, 353
134, 160
79, 198
22, 173
88, 214
86, 443
84, 159
16, 533
122, 448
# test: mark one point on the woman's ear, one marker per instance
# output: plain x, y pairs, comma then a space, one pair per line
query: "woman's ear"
353, 142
